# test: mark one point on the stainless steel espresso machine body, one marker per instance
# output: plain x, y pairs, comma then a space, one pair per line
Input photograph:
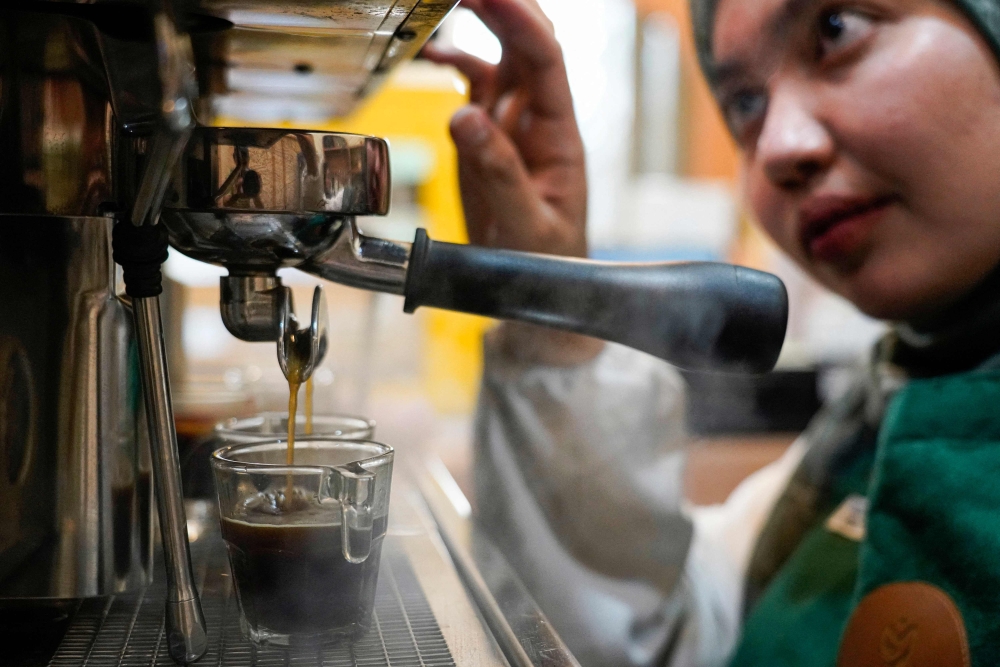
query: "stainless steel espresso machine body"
113, 144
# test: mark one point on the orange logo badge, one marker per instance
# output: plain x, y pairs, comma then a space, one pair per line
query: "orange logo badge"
910, 624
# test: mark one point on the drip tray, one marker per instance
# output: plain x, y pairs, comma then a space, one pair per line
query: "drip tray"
433, 607
127, 630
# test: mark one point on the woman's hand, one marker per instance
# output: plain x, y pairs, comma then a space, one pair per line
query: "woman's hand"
521, 160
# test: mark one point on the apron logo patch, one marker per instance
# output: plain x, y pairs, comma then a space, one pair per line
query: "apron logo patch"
909, 624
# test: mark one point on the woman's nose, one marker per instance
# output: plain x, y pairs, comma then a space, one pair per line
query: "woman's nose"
794, 146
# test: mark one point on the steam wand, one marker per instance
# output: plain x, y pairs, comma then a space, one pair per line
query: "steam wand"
140, 246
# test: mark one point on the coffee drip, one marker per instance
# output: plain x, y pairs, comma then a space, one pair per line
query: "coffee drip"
300, 351
293, 406
308, 429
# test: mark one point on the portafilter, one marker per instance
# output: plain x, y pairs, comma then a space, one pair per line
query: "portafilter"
256, 200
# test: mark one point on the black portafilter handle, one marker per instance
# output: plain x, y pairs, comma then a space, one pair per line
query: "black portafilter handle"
700, 316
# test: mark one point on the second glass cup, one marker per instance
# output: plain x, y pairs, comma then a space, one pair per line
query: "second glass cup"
273, 425
304, 540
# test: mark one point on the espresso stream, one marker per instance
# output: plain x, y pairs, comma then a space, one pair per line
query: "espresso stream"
309, 406
293, 405
296, 366
293, 401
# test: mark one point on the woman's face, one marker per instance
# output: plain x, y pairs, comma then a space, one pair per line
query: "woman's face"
871, 133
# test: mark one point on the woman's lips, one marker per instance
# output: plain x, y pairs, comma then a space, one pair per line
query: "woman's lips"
833, 228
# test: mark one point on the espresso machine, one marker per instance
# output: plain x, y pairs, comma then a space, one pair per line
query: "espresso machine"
114, 144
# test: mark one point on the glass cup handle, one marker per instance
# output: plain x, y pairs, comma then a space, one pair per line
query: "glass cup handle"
357, 491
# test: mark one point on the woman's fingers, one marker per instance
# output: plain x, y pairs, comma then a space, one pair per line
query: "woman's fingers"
481, 74
508, 112
472, 67
474, 5
532, 58
522, 27
496, 187
520, 156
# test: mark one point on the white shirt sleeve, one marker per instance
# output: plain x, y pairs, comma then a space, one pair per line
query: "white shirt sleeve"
579, 481
724, 539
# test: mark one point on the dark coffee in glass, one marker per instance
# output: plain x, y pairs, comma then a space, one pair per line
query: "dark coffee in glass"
295, 580
304, 541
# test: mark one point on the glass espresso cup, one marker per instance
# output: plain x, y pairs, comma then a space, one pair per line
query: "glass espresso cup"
304, 540
273, 425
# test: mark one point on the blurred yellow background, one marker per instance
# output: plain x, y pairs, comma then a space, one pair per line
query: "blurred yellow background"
416, 105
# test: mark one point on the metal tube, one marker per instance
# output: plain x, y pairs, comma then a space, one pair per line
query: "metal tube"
187, 639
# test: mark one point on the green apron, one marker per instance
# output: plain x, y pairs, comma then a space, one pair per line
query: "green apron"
934, 516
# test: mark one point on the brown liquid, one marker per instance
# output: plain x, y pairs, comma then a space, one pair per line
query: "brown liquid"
296, 366
294, 579
293, 400
309, 406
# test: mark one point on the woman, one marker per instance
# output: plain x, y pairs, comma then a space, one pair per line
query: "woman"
870, 133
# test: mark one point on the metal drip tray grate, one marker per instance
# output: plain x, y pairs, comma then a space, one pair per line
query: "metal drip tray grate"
127, 630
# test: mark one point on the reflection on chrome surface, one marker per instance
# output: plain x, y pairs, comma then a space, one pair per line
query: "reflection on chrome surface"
82, 491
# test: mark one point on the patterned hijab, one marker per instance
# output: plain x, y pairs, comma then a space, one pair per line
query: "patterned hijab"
985, 14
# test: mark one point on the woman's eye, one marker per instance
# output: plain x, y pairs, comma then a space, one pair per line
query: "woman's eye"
841, 28
744, 108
